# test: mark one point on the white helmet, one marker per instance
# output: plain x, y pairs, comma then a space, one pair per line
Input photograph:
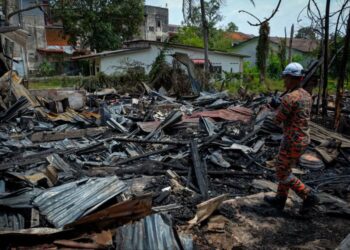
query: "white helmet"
293, 69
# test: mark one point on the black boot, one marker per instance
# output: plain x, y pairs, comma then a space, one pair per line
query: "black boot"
309, 203
277, 202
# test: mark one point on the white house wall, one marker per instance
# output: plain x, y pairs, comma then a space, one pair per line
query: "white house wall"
119, 62
249, 48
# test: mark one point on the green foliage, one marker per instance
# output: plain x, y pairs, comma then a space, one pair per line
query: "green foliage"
100, 25
299, 59
231, 27
46, 69
220, 41
262, 49
158, 64
282, 52
274, 67
192, 36
188, 35
306, 33
335, 67
55, 82
125, 82
250, 72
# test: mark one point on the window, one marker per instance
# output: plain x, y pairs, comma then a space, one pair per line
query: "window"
158, 24
151, 28
217, 69
158, 39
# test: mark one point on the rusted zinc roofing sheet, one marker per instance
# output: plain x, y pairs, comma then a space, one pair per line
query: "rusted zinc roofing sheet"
66, 203
230, 114
153, 232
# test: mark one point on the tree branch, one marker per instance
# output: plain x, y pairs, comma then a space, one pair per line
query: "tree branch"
265, 19
26, 9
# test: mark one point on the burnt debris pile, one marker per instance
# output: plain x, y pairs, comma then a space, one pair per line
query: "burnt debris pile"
101, 170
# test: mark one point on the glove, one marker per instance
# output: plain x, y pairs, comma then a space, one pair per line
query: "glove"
275, 102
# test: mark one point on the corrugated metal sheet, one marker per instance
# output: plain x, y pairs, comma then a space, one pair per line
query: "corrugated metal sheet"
11, 221
20, 199
66, 203
153, 232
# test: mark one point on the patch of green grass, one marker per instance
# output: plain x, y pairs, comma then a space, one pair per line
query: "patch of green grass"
253, 86
54, 83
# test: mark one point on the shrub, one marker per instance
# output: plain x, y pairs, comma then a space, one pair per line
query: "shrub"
46, 69
274, 67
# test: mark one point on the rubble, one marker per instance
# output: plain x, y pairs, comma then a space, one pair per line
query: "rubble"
105, 171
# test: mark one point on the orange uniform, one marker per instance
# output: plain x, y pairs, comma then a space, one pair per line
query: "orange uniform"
294, 113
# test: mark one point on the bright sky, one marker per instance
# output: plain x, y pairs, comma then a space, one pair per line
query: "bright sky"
285, 17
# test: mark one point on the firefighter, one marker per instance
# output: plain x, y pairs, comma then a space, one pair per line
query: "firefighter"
294, 113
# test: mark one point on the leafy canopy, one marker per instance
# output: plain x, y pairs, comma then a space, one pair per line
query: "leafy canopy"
212, 13
231, 27
99, 24
306, 33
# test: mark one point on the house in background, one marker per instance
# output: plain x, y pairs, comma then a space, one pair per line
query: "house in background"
32, 21
142, 53
46, 41
301, 47
238, 37
156, 24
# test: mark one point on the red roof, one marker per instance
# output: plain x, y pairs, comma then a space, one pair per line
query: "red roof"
56, 37
58, 51
239, 36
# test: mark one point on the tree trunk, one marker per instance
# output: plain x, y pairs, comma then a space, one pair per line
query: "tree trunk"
325, 63
290, 44
342, 75
205, 37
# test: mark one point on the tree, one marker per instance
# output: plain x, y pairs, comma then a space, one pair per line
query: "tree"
100, 25
342, 75
212, 14
263, 43
321, 23
219, 40
306, 33
262, 50
188, 35
187, 10
231, 27
325, 63
282, 50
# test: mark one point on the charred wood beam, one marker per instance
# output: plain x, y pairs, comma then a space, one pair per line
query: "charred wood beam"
325, 64
131, 159
150, 171
199, 169
57, 136
32, 159
142, 141
41, 156
167, 165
